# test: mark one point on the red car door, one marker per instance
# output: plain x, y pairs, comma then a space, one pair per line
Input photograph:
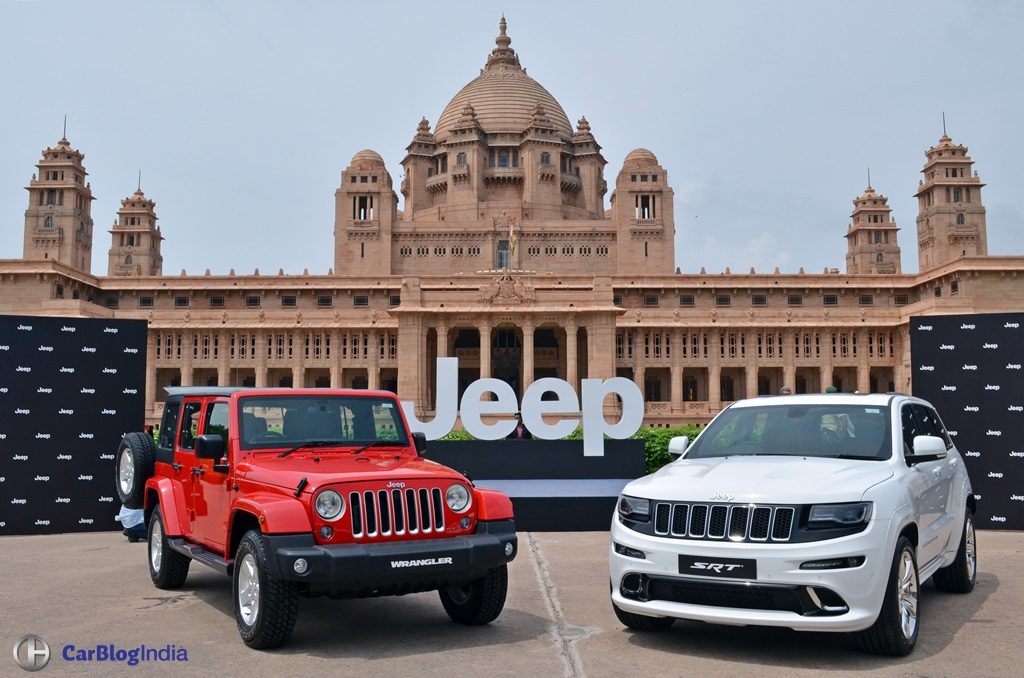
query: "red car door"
185, 457
211, 486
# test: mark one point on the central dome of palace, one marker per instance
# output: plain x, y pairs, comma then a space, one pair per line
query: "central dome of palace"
503, 97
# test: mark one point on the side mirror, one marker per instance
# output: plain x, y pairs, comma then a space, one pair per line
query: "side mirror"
677, 446
209, 446
927, 448
419, 439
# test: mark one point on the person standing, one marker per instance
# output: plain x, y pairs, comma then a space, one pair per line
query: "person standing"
520, 432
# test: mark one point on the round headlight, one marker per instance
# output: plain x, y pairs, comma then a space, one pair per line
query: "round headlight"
329, 505
457, 498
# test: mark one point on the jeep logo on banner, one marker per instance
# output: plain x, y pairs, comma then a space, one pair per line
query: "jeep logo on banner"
69, 389
978, 391
587, 411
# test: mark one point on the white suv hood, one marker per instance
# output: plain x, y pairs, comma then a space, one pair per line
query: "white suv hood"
766, 480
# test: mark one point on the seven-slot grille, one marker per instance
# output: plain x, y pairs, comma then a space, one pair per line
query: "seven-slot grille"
736, 522
381, 513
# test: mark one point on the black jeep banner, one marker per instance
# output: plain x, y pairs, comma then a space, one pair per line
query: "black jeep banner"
970, 368
69, 389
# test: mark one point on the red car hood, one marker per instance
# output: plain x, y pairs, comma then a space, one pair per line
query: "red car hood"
334, 467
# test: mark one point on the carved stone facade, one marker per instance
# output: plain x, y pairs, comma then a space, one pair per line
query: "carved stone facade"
505, 256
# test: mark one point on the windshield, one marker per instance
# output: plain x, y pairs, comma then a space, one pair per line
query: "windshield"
287, 421
842, 431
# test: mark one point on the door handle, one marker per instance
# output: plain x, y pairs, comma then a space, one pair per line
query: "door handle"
198, 471
177, 467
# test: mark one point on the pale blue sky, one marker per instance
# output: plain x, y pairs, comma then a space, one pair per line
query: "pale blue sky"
241, 115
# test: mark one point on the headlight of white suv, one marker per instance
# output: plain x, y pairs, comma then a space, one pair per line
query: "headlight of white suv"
839, 515
634, 508
329, 505
457, 497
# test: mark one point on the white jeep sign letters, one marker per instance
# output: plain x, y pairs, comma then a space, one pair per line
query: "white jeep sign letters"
533, 408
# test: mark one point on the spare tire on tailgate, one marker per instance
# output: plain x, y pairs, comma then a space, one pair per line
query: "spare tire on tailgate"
133, 466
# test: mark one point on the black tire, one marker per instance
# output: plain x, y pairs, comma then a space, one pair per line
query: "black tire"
895, 631
133, 466
272, 604
167, 568
479, 601
961, 575
639, 622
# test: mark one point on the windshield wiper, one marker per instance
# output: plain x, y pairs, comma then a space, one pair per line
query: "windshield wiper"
377, 443
308, 443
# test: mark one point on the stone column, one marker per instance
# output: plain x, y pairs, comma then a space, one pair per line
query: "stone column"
485, 348
412, 376
151, 339
373, 362
186, 361
223, 358
335, 360
677, 369
788, 361
571, 369
638, 360
261, 358
863, 362
442, 339
826, 358
715, 369
298, 359
527, 325
751, 368
601, 347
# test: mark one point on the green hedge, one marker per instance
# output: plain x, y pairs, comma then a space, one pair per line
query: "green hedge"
655, 441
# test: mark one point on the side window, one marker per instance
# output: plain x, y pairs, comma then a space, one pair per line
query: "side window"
189, 425
169, 425
217, 420
930, 424
910, 428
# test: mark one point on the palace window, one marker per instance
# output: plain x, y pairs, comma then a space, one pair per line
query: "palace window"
48, 222
651, 300
866, 300
439, 251
795, 300
503, 257
145, 302
180, 302
460, 160
644, 207
954, 288
252, 301
602, 250
362, 207
567, 251
901, 299
759, 299
960, 219
473, 250
395, 300
405, 251
360, 301
289, 301
723, 300
830, 300
217, 302
879, 258
686, 300
617, 299
545, 158
324, 300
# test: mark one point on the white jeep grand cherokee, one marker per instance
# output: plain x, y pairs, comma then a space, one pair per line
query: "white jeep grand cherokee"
819, 512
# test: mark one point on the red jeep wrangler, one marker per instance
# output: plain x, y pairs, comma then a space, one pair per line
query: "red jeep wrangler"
306, 492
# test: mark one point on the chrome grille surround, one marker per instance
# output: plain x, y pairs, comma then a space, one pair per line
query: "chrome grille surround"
725, 522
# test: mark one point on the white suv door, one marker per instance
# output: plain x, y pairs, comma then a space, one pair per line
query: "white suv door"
930, 483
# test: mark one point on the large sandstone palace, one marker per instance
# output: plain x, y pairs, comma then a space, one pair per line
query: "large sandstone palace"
513, 254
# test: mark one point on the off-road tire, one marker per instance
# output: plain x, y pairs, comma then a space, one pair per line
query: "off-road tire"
479, 601
639, 622
888, 635
133, 466
961, 575
278, 601
167, 568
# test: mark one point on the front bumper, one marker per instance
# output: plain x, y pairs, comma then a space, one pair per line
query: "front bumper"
780, 595
392, 567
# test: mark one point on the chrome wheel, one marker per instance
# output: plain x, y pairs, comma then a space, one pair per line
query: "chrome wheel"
908, 594
249, 590
970, 549
126, 471
156, 546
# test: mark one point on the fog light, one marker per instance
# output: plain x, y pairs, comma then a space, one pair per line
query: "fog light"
326, 532
464, 523
509, 549
833, 563
631, 553
300, 565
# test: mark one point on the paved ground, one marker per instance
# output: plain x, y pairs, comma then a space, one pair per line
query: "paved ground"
89, 589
